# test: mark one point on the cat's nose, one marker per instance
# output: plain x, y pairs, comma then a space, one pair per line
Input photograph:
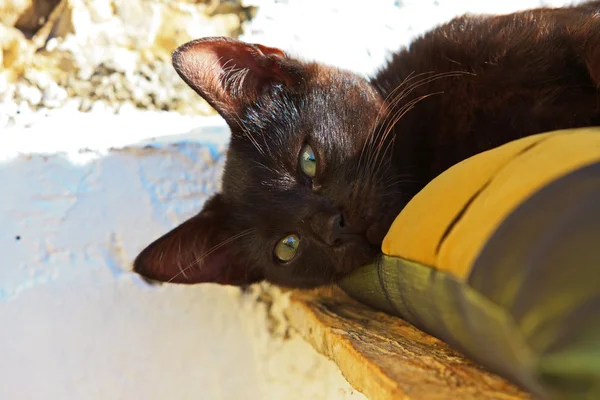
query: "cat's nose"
331, 228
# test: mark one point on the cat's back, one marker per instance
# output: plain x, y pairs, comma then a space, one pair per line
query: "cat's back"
486, 80
481, 41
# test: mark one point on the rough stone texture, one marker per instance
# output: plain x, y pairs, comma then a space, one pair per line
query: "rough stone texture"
116, 52
385, 357
112, 51
11, 10
35, 16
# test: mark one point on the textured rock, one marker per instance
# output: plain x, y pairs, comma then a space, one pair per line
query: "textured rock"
11, 10
16, 52
116, 51
35, 16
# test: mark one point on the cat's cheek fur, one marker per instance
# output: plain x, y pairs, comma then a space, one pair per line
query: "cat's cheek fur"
319, 265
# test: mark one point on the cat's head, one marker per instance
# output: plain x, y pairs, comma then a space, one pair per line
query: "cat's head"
306, 187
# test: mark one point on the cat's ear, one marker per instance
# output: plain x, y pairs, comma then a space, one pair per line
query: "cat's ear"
201, 249
230, 74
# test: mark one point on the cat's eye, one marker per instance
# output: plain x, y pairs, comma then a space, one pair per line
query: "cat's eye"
287, 248
308, 162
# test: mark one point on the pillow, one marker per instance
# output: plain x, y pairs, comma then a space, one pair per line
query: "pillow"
499, 256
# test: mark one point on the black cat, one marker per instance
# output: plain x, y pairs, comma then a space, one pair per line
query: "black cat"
321, 160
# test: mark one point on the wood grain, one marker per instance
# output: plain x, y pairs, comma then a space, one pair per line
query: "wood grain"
385, 357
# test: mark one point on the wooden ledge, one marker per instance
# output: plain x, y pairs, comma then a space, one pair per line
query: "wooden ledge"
385, 357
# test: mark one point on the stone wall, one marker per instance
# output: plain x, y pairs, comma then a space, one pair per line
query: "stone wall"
105, 53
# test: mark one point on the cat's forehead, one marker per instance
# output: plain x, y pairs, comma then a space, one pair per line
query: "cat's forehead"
331, 102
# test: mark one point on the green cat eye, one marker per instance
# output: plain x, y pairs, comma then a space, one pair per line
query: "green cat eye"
308, 162
287, 247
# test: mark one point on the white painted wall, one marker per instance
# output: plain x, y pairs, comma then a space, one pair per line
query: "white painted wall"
75, 323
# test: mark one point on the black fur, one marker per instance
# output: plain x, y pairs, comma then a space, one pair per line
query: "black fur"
465, 87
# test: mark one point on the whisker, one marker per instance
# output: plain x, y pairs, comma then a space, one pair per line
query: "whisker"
198, 260
376, 157
265, 167
397, 116
374, 131
372, 161
248, 134
408, 89
380, 114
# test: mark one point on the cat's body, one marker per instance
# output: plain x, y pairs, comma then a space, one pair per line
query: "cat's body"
534, 72
321, 160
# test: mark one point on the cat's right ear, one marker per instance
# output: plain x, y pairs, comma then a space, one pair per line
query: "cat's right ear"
230, 74
203, 249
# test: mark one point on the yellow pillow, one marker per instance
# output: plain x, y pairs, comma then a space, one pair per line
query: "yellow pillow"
500, 257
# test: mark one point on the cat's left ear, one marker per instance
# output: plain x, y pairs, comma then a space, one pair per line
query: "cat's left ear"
230, 74
202, 249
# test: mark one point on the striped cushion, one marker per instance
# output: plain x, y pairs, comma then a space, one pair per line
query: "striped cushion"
500, 257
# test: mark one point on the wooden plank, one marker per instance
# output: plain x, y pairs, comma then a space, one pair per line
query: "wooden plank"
385, 357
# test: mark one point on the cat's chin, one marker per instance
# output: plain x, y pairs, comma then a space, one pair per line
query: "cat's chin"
376, 233
378, 229
356, 255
